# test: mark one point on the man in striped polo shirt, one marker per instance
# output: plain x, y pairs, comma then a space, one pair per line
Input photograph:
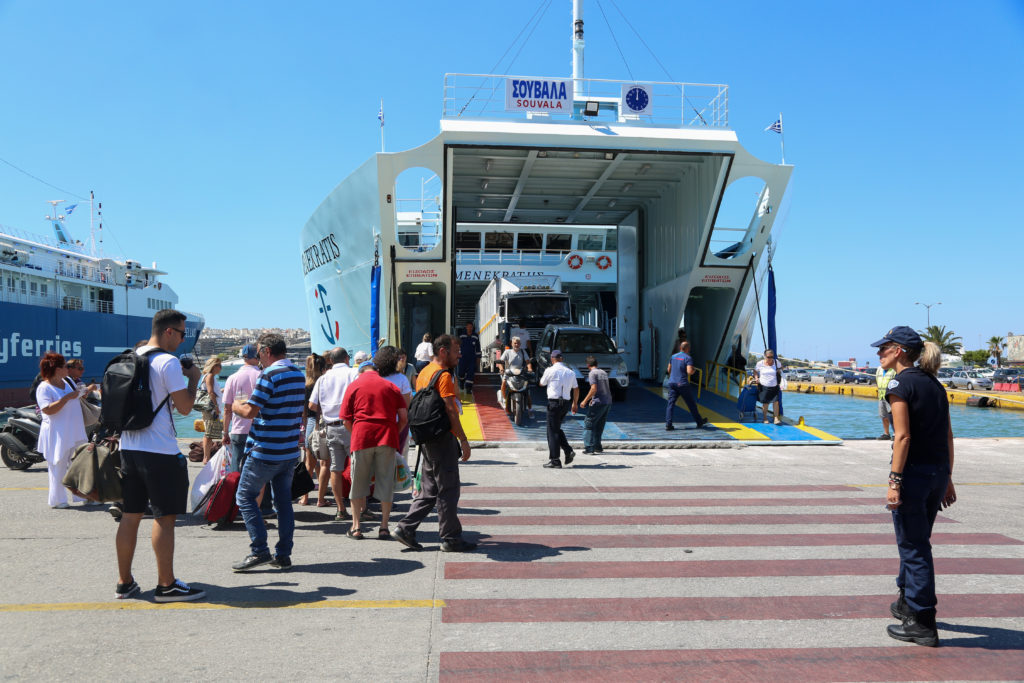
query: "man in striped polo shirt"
273, 447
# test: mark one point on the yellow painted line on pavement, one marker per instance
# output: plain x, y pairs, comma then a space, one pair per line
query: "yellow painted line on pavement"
135, 605
730, 427
470, 419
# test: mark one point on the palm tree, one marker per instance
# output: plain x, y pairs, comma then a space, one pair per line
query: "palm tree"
945, 340
996, 346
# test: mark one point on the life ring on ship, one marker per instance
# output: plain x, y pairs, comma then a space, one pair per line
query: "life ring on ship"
575, 262
604, 262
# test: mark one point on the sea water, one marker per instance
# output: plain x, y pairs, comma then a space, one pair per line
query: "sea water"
847, 417
850, 417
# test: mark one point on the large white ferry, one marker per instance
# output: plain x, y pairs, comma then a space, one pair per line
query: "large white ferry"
617, 187
61, 294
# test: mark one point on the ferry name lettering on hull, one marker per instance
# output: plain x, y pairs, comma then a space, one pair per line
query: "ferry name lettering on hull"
320, 253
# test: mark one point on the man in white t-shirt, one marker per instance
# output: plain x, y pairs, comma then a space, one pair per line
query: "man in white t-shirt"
154, 471
325, 399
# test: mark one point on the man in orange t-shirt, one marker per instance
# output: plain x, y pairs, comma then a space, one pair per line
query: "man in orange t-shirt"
439, 483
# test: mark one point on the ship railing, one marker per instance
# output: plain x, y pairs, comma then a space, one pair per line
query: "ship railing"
724, 380
673, 104
43, 239
508, 258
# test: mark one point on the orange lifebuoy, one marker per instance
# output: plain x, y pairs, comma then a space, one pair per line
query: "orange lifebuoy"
604, 262
575, 261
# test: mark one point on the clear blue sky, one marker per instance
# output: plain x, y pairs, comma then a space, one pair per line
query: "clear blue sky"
212, 130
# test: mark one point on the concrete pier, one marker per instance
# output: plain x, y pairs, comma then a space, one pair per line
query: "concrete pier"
741, 563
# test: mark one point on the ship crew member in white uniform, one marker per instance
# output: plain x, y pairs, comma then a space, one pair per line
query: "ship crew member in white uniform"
563, 395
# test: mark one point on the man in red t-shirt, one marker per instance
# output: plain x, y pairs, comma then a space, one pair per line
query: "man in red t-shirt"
439, 479
369, 411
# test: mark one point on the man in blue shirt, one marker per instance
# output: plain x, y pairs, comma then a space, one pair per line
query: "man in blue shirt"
680, 367
273, 447
469, 348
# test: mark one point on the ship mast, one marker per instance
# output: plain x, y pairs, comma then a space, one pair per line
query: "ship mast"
577, 49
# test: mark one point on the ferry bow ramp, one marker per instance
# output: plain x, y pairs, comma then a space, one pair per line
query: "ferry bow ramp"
647, 218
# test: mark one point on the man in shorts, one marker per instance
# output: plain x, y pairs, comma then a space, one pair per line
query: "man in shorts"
154, 471
325, 399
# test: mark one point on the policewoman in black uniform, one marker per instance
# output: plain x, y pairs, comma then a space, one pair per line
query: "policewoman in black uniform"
920, 477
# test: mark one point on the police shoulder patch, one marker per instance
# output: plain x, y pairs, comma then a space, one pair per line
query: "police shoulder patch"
893, 384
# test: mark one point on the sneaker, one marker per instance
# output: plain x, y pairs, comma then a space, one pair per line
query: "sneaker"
179, 591
115, 511
457, 546
406, 538
778, 421
553, 464
251, 561
588, 452
670, 427
342, 516
281, 563
883, 437
126, 590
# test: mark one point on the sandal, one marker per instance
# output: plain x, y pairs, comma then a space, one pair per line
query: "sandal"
323, 504
383, 535
355, 533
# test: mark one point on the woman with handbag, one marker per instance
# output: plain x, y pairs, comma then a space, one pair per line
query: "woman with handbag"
209, 401
63, 428
768, 373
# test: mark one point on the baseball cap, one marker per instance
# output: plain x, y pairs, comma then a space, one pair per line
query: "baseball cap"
367, 364
248, 351
902, 335
556, 354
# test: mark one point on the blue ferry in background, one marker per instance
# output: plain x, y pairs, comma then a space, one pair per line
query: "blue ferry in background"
60, 294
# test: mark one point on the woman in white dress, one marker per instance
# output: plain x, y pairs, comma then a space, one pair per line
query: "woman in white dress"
63, 428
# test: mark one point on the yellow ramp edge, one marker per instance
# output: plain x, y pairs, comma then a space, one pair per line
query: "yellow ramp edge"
470, 418
730, 427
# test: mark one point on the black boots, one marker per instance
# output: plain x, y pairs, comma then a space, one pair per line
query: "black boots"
917, 627
900, 609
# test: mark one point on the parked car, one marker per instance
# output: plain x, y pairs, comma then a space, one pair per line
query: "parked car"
839, 376
576, 342
864, 376
1008, 376
799, 375
969, 379
945, 376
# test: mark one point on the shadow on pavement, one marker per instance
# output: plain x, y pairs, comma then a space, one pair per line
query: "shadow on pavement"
269, 595
378, 566
520, 552
988, 637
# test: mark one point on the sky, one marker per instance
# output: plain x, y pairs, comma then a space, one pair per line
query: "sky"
212, 131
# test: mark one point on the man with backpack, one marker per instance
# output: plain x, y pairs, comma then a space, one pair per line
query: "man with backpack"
154, 471
439, 483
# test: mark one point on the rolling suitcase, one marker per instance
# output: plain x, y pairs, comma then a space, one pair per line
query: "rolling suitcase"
218, 506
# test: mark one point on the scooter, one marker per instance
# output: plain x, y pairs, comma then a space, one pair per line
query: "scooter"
518, 382
19, 438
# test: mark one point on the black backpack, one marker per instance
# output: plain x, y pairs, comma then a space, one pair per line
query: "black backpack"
428, 415
127, 397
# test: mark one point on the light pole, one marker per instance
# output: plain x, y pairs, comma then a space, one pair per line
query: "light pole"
929, 309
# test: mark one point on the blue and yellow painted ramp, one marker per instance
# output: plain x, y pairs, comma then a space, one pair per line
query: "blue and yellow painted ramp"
641, 417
